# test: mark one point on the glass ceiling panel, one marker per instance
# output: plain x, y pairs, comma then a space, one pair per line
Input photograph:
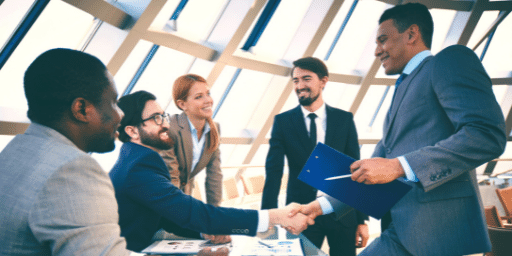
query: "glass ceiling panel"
195, 21
238, 107
280, 30
60, 25
11, 14
340, 95
360, 31
159, 76
498, 58
367, 109
125, 74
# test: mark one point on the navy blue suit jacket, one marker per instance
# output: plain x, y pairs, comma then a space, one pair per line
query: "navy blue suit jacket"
290, 138
147, 201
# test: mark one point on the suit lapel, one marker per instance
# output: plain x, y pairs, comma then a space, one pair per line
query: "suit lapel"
400, 94
332, 122
299, 127
186, 138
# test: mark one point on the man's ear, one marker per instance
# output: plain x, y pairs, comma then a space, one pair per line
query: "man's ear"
132, 131
324, 81
82, 109
413, 33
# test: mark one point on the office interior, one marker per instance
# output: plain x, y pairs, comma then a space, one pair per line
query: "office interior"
245, 50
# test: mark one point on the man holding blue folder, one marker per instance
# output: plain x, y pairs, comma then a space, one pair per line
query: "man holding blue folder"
294, 135
443, 122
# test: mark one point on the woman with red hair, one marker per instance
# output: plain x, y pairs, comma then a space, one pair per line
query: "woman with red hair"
196, 138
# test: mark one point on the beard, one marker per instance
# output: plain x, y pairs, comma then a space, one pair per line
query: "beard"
307, 100
155, 141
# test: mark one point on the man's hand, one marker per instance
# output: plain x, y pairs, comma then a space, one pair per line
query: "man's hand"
208, 252
362, 235
294, 224
217, 239
312, 209
376, 170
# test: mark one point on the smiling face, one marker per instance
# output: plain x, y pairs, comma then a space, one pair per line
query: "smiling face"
152, 134
106, 121
307, 85
198, 104
392, 48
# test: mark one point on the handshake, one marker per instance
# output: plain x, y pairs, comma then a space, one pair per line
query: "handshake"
295, 218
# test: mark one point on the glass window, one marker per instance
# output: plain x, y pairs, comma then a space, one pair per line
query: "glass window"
12, 13
60, 25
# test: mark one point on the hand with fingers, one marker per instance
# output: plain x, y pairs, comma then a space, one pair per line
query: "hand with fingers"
217, 239
376, 170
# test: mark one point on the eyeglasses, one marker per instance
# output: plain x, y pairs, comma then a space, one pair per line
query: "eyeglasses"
159, 118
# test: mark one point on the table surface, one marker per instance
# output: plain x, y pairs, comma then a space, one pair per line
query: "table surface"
308, 248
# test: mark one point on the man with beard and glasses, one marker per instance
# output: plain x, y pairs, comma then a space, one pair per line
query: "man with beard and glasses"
55, 199
295, 133
147, 199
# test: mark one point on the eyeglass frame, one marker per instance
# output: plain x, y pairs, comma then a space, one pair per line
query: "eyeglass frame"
164, 116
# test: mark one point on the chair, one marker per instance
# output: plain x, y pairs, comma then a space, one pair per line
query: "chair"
501, 241
253, 188
505, 197
492, 217
230, 195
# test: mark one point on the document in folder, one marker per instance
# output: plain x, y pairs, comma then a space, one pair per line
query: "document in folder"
373, 200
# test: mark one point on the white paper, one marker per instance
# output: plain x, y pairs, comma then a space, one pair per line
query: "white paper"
278, 247
181, 246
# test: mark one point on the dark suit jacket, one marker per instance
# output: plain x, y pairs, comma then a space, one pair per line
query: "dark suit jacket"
179, 161
446, 122
147, 200
290, 138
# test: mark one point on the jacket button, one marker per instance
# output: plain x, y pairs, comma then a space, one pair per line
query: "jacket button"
183, 184
246, 231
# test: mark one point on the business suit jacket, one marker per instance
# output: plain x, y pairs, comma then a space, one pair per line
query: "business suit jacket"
55, 199
148, 201
290, 138
179, 161
445, 120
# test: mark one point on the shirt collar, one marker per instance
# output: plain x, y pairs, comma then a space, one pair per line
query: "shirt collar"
194, 130
320, 112
415, 61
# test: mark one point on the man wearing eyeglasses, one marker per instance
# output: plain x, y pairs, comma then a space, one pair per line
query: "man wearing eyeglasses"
147, 199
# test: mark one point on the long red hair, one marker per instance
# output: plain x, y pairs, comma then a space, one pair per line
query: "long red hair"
180, 91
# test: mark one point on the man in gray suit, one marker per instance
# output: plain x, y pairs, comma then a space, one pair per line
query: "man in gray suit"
444, 121
55, 199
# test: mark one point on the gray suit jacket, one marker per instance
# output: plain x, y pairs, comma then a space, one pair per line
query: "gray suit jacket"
179, 161
55, 199
446, 122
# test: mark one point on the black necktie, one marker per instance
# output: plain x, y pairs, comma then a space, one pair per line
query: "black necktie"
312, 129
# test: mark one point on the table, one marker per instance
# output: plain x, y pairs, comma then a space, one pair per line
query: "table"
308, 248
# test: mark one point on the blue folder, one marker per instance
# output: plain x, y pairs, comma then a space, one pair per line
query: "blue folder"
373, 200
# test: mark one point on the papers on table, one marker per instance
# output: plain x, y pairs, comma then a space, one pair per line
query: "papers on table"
256, 246
181, 246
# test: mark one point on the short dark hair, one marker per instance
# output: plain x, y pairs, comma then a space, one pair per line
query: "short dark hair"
404, 16
132, 105
312, 64
59, 76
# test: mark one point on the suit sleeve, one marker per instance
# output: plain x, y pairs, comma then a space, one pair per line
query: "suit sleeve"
148, 184
172, 164
76, 212
174, 228
213, 183
464, 91
273, 167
